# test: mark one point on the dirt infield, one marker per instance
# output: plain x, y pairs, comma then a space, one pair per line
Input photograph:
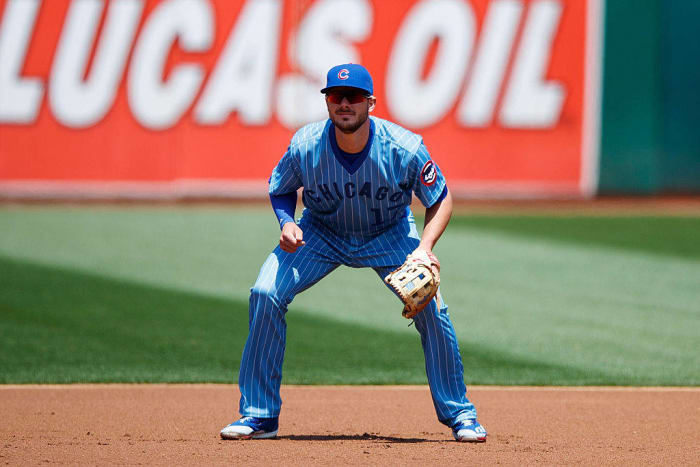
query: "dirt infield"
179, 424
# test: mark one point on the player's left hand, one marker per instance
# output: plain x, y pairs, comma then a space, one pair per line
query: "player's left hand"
435, 264
416, 281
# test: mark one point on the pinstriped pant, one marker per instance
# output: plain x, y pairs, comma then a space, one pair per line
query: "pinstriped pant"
286, 274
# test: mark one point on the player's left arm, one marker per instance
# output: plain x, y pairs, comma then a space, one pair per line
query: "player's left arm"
411, 272
430, 187
437, 217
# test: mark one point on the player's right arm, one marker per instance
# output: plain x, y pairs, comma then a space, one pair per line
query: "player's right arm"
284, 207
284, 182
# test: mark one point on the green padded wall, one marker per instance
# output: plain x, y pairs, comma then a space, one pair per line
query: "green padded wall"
650, 123
630, 132
680, 92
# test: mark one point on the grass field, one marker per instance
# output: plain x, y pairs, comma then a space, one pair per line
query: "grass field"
159, 294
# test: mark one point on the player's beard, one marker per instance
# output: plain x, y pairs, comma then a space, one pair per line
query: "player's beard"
350, 126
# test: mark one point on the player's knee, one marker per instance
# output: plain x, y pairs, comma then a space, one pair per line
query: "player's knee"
262, 292
266, 294
432, 312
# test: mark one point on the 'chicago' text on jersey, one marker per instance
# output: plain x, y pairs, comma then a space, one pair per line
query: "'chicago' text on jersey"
349, 190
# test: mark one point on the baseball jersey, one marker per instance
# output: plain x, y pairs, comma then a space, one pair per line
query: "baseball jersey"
362, 194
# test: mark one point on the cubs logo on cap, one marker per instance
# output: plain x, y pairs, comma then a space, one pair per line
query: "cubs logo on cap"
428, 174
350, 75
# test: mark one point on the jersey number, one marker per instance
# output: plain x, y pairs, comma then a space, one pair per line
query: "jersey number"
393, 210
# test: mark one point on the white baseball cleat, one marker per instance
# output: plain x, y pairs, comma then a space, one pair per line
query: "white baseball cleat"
469, 430
251, 428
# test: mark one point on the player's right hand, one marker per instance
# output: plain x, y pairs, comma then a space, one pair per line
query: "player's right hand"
292, 237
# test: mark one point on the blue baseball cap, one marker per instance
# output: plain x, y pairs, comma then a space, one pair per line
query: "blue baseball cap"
349, 75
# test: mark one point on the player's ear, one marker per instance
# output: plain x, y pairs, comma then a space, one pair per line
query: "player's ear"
372, 102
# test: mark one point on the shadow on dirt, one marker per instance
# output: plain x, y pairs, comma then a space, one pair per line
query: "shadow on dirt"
362, 437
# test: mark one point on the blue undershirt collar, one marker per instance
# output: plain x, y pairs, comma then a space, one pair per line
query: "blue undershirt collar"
351, 161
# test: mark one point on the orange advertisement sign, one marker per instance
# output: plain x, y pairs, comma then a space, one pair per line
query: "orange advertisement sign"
147, 96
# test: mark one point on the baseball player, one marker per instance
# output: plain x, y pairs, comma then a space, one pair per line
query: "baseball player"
358, 175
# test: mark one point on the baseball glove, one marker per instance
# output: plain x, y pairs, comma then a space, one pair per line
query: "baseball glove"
416, 281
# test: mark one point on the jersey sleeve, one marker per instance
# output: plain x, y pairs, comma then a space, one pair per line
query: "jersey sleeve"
428, 181
286, 176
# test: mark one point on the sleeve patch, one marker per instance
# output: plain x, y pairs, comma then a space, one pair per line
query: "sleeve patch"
428, 174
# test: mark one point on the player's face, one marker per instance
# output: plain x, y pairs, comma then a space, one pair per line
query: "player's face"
348, 108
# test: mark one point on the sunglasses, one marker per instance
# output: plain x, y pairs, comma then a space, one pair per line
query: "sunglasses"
354, 96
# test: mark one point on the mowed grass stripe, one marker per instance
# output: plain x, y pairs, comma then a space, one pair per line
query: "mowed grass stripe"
517, 301
61, 326
675, 236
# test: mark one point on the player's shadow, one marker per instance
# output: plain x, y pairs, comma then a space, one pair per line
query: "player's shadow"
363, 437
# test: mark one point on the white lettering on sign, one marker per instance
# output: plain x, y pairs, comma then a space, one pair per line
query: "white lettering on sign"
244, 76
159, 104
530, 101
495, 45
244, 84
420, 103
20, 98
77, 103
324, 39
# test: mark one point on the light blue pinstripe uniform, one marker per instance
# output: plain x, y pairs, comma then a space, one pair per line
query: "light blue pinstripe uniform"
358, 217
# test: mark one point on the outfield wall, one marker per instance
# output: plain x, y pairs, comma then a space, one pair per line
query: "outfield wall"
514, 98
200, 97
650, 139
